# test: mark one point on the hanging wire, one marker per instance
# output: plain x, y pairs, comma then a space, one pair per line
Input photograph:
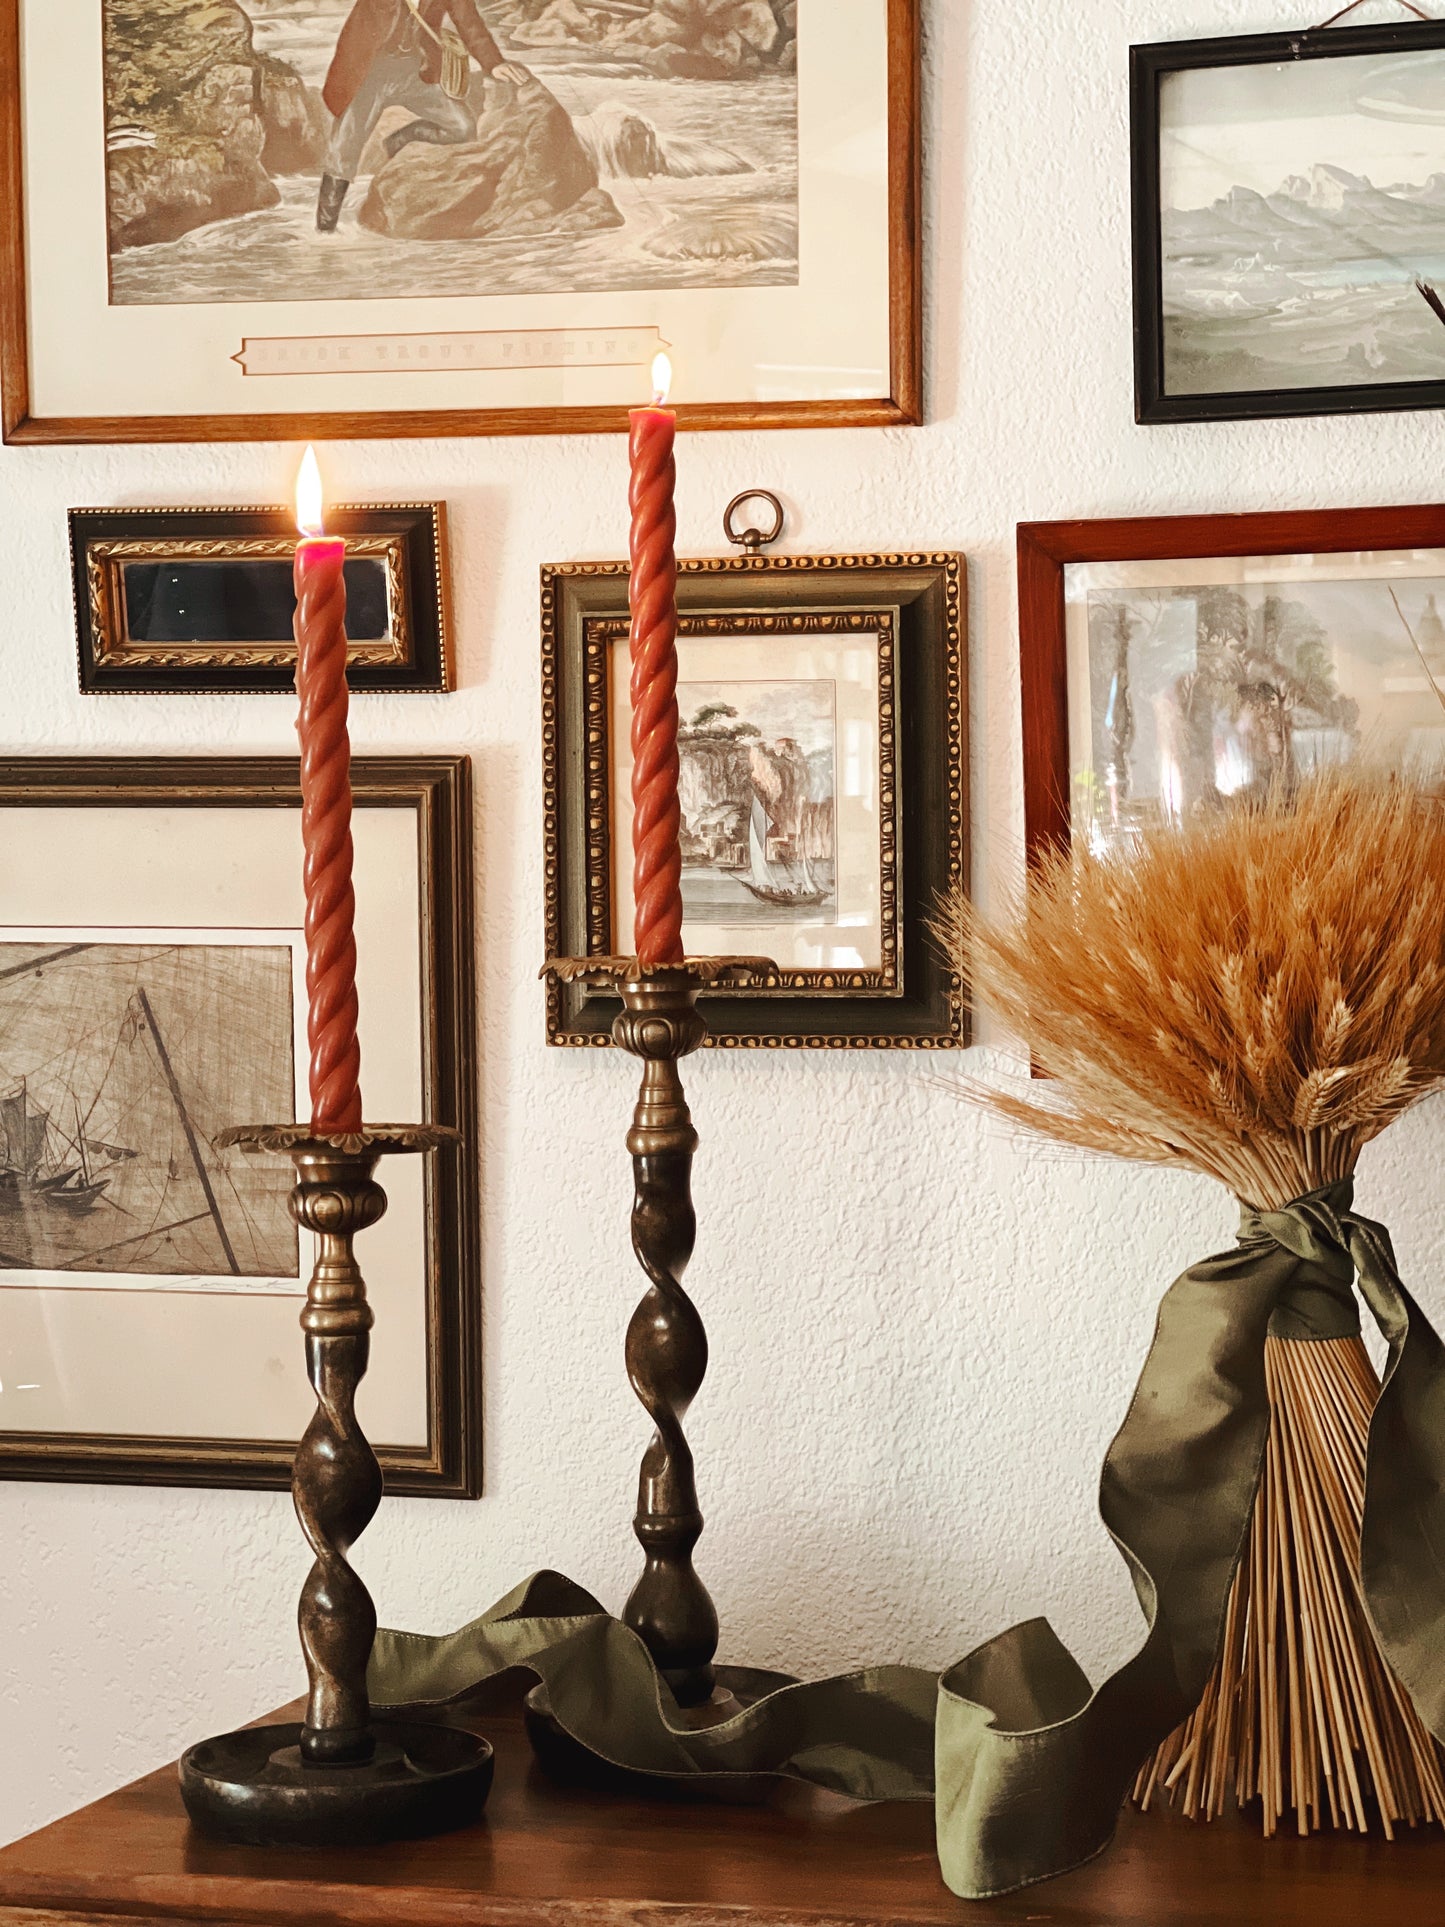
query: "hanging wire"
1409, 5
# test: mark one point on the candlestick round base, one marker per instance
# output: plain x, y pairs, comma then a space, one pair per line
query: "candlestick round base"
254, 1788
567, 1761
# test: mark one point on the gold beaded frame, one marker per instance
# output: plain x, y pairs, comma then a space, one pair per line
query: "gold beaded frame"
915, 606
407, 540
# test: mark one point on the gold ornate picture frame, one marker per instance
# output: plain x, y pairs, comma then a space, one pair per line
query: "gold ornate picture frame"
824, 789
174, 601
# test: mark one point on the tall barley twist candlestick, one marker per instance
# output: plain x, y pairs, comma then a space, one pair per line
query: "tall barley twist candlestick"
669, 1609
326, 834
339, 1777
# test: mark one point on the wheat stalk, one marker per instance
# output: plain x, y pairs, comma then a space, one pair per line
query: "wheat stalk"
1255, 995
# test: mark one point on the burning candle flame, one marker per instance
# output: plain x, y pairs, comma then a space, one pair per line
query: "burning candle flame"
661, 381
310, 518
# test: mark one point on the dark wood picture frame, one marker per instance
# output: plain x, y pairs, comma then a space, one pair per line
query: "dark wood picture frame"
917, 605
903, 405
438, 791
1148, 66
408, 538
1047, 549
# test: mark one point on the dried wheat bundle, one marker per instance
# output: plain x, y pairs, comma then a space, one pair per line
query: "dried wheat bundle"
1255, 995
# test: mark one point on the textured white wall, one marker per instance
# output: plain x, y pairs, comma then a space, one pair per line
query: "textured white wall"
923, 1332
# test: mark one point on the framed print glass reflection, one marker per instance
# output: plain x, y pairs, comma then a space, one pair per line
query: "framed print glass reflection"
822, 784
1289, 223
308, 218
152, 993
1186, 665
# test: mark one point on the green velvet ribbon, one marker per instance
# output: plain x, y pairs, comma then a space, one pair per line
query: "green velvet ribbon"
1028, 1764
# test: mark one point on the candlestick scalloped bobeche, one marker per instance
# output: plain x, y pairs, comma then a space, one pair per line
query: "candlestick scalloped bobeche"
384, 1139
736, 973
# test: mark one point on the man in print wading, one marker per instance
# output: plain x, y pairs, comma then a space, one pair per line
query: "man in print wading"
403, 53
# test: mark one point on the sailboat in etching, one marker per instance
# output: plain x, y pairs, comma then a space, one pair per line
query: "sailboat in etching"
771, 880
38, 1156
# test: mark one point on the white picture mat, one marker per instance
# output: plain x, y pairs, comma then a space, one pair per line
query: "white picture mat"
827, 338
855, 941
292, 940
198, 1365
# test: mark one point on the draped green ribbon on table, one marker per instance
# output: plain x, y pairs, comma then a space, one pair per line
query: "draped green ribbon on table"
1028, 1764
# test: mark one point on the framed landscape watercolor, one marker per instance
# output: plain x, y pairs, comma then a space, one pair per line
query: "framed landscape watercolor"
823, 785
152, 993
180, 601
1289, 223
289, 219
1185, 664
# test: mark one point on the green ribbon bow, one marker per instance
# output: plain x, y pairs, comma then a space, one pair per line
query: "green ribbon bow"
1028, 1764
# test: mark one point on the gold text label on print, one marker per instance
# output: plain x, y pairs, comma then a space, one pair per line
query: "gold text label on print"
444, 354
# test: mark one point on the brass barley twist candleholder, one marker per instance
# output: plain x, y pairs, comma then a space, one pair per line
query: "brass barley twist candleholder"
339, 1776
670, 1608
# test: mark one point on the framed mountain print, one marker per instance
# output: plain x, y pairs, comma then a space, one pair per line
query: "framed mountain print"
306, 219
152, 993
824, 785
1289, 223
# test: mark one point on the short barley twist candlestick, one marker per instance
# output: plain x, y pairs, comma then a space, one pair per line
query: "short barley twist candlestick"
337, 1480
340, 1776
326, 835
670, 1609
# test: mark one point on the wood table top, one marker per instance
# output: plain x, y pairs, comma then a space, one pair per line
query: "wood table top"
545, 1856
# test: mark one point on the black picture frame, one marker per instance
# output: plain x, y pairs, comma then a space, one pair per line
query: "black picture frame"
437, 792
403, 544
918, 605
1148, 65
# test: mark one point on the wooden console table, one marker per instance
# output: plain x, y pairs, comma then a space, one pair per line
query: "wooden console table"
545, 1857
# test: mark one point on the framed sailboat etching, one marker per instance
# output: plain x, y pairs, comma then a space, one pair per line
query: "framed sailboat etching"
296, 219
152, 992
822, 748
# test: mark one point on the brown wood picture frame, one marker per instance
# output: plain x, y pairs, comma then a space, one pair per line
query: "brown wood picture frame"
1047, 549
915, 607
903, 404
402, 544
437, 791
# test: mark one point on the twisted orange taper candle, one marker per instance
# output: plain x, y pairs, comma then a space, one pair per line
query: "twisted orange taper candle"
326, 834
656, 812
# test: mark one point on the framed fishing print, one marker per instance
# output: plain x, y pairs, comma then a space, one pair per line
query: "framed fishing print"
306, 219
1183, 665
824, 784
152, 993
1289, 223
181, 601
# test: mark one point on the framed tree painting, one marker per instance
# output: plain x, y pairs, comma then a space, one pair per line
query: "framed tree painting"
1186, 664
824, 785
1289, 223
273, 219
152, 993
